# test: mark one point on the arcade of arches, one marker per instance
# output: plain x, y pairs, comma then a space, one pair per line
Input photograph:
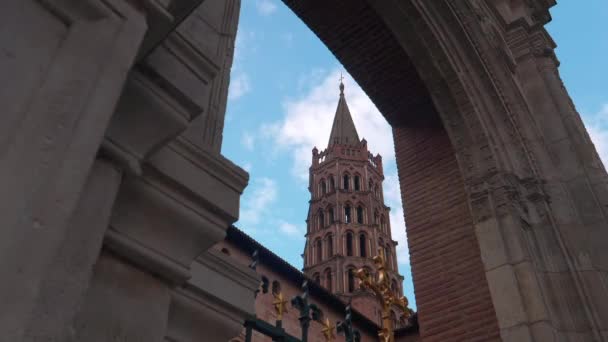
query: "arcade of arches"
115, 190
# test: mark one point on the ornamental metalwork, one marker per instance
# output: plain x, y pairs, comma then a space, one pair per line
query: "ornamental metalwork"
380, 286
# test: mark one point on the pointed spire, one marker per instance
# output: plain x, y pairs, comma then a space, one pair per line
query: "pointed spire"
343, 130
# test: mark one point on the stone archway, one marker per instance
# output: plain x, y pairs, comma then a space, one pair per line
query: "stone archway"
503, 190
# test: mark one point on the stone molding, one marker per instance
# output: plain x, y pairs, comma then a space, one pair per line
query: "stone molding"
202, 310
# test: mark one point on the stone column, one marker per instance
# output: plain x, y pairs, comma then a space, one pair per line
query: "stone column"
51, 134
68, 275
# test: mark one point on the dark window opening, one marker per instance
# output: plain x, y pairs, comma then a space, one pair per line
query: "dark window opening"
328, 280
357, 183
331, 215
276, 287
359, 214
323, 187
363, 245
347, 215
351, 280
319, 247
321, 219
346, 182
330, 245
332, 184
349, 244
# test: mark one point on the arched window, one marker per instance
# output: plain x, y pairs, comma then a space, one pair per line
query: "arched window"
317, 278
376, 217
348, 218
388, 258
276, 287
382, 224
323, 187
394, 288
394, 319
345, 182
328, 280
319, 250
332, 184
349, 244
370, 185
360, 214
377, 191
351, 280
357, 183
332, 218
330, 245
321, 219
363, 245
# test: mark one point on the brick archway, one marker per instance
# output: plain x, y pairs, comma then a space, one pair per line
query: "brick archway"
496, 169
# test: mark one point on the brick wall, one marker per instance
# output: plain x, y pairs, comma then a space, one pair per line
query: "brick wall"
452, 295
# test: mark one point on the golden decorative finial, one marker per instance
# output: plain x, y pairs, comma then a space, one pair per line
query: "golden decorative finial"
381, 288
280, 305
328, 331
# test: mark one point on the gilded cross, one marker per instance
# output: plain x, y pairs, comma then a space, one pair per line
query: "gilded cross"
381, 288
328, 331
280, 305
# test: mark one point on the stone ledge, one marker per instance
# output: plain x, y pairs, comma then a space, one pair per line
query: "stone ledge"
181, 205
216, 300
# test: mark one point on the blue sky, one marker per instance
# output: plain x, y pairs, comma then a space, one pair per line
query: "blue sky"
284, 92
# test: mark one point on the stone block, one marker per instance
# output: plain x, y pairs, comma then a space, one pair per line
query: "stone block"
545, 248
563, 301
123, 303
542, 331
506, 297
563, 209
564, 157
584, 201
531, 293
491, 243
519, 333
596, 286
513, 237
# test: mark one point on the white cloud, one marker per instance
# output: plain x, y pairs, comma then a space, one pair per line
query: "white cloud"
291, 230
262, 193
308, 119
239, 86
248, 140
266, 7
247, 167
597, 126
392, 197
399, 234
244, 46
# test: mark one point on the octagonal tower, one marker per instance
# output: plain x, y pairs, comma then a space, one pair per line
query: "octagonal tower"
348, 222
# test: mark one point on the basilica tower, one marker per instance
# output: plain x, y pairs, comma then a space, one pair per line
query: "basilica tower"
348, 222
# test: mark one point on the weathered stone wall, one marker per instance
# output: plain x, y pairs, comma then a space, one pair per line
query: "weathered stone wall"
107, 210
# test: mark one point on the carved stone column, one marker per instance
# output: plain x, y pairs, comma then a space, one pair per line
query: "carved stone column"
65, 65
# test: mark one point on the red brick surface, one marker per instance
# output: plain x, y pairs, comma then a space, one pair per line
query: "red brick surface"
452, 294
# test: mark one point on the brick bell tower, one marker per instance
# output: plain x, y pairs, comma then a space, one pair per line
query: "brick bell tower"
348, 222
